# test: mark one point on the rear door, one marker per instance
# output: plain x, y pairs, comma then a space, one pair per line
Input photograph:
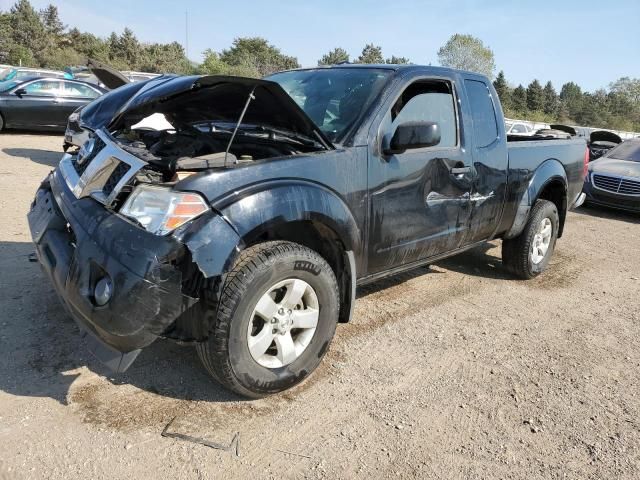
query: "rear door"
419, 199
36, 107
490, 160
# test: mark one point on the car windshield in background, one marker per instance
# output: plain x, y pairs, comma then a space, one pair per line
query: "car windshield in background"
333, 98
626, 151
5, 86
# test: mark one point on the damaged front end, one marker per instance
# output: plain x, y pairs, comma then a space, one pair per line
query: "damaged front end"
127, 249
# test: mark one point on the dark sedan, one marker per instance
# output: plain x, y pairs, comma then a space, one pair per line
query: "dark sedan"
43, 103
613, 180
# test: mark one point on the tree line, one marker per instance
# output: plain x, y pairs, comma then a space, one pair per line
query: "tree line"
40, 39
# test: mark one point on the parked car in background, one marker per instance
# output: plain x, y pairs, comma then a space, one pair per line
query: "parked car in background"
518, 128
552, 133
43, 103
613, 180
22, 73
600, 142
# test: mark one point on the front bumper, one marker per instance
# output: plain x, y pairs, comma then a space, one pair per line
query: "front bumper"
78, 242
604, 198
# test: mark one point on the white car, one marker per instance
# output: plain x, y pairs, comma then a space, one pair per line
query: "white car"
518, 128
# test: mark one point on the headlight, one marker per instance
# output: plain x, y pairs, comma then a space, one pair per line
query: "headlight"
74, 117
161, 210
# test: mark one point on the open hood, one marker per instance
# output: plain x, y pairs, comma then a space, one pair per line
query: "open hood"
604, 136
564, 128
110, 77
189, 100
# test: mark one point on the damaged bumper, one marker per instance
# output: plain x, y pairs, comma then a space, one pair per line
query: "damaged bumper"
79, 243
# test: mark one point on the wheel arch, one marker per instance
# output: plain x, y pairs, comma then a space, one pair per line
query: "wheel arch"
309, 215
548, 182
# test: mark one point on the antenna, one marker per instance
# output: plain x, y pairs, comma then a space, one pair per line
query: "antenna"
235, 130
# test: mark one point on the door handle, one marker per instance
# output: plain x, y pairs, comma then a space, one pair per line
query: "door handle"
460, 170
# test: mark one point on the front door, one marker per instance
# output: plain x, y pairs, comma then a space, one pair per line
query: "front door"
36, 107
419, 199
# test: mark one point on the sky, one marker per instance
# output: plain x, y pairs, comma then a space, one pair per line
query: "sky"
590, 42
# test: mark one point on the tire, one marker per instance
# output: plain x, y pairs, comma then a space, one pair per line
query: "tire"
227, 354
519, 254
1, 122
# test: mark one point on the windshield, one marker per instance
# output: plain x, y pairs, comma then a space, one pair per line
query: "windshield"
8, 74
333, 98
5, 86
629, 150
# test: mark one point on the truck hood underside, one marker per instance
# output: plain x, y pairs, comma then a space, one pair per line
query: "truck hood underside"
219, 99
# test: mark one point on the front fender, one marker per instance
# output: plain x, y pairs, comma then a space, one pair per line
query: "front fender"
266, 206
549, 171
212, 242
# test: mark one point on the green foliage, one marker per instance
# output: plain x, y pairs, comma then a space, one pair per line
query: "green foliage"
535, 96
467, 52
550, 97
503, 90
258, 55
334, 57
393, 60
519, 99
371, 54
40, 39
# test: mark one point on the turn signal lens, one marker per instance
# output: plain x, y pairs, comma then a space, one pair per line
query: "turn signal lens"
161, 210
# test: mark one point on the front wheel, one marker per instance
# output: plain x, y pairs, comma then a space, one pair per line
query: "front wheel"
528, 254
276, 317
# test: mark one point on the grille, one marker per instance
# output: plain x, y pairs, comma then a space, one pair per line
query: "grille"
119, 172
81, 166
617, 185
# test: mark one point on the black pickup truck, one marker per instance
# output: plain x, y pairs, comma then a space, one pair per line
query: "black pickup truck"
245, 227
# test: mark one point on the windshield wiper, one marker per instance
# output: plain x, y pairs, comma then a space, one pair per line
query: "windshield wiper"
286, 134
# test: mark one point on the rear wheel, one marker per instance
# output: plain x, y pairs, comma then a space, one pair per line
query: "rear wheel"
528, 254
276, 317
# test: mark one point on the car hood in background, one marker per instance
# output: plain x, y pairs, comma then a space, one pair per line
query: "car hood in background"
110, 77
618, 168
604, 136
188, 100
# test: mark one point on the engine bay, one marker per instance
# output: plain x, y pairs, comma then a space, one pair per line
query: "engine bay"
174, 154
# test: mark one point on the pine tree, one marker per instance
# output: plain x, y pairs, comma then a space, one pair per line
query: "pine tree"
535, 96
334, 57
519, 99
550, 99
503, 90
371, 54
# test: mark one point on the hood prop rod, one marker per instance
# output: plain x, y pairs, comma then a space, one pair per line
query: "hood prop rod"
235, 130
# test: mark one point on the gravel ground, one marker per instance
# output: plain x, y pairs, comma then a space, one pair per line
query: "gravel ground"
452, 371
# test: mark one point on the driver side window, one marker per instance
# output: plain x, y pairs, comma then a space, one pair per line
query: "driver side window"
428, 101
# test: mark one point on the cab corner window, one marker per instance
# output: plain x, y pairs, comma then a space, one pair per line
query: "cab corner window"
428, 101
485, 126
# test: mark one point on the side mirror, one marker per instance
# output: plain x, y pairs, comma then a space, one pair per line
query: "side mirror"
20, 92
410, 135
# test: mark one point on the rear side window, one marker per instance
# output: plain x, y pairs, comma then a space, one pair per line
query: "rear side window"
78, 90
485, 125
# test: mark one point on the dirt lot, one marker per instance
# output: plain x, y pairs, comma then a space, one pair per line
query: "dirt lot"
453, 371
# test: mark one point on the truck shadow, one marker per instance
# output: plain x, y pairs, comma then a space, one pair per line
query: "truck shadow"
50, 158
43, 353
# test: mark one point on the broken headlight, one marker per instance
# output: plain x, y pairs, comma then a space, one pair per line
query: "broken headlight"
161, 210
